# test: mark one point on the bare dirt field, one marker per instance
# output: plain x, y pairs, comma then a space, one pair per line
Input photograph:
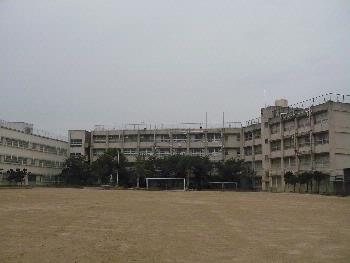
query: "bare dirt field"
89, 225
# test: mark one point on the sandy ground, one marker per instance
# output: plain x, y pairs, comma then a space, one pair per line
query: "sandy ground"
89, 225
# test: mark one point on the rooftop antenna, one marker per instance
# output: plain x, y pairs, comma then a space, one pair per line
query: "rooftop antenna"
206, 120
136, 124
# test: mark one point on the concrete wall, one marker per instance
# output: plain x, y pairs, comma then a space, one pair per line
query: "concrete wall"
41, 156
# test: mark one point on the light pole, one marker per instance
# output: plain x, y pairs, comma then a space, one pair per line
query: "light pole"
115, 158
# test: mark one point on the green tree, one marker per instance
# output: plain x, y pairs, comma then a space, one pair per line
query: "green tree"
111, 163
76, 171
319, 177
290, 179
305, 178
17, 175
230, 170
142, 170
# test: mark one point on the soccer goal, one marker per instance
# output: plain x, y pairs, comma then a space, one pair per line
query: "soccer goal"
223, 185
166, 184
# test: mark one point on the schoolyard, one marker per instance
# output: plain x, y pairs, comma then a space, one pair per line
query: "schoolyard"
90, 225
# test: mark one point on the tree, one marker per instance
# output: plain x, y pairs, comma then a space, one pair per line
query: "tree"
319, 177
290, 179
17, 175
112, 162
141, 170
230, 170
305, 178
76, 171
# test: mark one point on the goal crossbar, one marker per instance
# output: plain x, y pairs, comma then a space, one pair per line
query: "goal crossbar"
160, 178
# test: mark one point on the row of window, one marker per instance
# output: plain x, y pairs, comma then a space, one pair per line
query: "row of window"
32, 146
249, 135
249, 150
76, 142
320, 161
18, 160
321, 118
164, 151
211, 137
301, 141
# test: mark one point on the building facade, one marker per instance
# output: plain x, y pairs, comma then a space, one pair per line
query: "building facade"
285, 138
21, 148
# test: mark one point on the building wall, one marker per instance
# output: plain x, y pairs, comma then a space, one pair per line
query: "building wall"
303, 140
218, 143
286, 139
42, 156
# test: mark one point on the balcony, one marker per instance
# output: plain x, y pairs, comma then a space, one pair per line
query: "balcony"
321, 148
321, 126
248, 158
289, 152
275, 136
276, 154
147, 144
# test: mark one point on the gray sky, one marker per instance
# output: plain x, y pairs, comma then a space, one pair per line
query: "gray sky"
72, 64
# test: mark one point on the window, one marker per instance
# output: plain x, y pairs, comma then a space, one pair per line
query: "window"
147, 138
197, 137
304, 123
76, 142
258, 149
289, 126
288, 143
305, 160
214, 151
146, 151
130, 151
257, 134
214, 137
289, 162
275, 128
130, 138
180, 137
180, 151
238, 138
248, 151
99, 138
258, 165
98, 152
163, 138
248, 136
321, 138
163, 151
275, 146
322, 160
304, 141
321, 118
114, 138
276, 163
197, 151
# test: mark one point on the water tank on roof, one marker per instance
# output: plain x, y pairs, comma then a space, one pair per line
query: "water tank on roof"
281, 103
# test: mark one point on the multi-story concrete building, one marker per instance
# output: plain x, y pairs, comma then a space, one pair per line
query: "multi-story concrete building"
297, 140
217, 143
284, 138
22, 147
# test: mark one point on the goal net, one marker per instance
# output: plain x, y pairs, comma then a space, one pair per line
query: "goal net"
166, 184
223, 186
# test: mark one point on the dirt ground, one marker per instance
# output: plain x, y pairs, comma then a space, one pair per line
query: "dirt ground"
89, 225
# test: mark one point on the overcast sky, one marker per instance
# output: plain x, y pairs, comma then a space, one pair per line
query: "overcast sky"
73, 64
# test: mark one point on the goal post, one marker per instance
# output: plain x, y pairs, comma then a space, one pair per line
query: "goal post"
223, 185
166, 183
